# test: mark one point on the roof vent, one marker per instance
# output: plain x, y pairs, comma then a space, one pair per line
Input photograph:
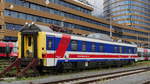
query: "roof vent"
100, 36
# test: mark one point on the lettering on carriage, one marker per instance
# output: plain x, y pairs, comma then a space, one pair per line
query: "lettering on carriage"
82, 56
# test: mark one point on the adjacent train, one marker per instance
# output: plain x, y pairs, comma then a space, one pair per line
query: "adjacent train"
66, 51
8, 49
143, 53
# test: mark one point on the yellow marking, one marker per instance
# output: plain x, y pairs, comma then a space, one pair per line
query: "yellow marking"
41, 44
19, 44
45, 62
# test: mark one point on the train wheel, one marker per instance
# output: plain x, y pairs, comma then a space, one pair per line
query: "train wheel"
40, 69
60, 68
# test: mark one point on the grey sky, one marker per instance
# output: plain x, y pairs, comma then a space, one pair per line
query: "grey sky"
98, 6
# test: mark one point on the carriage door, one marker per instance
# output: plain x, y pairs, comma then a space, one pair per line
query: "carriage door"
146, 54
29, 45
50, 45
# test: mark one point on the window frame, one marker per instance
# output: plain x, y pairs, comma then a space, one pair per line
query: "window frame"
84, 46
93, 47
101, 48
74, 46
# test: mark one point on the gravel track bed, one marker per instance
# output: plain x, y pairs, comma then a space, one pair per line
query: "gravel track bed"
70, 75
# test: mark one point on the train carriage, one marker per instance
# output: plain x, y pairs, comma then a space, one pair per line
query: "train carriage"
143, 53
59, 50
7, 50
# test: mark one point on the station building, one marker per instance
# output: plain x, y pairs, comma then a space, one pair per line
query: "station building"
70, 14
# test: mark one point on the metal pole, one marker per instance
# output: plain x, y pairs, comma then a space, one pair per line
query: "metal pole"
148, 39
110, 26
137, 40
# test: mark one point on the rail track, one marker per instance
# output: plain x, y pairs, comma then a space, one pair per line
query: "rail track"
100, 77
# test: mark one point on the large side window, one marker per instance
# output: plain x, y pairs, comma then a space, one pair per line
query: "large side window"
93, 47
83, 46
125, 49
120, 49
115, 49
74, 45
130, 50
135, 50
2, 49
49, 44
101, 48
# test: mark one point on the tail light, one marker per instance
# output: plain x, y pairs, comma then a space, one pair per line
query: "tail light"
43, 55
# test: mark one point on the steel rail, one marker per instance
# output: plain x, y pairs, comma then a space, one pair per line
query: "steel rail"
99, 77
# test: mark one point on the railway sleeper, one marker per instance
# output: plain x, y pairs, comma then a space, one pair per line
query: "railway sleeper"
18, 64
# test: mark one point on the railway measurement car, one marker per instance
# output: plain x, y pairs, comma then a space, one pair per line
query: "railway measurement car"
66, 51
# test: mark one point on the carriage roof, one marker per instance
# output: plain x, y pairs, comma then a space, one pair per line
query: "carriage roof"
41, 28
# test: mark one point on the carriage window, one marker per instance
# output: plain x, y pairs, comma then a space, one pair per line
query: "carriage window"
148, 54
125, 50
29, 41
101, 48
120, 49
135, 51
129, 50
49, 44
139, 54
74, 45
8, 49
144, 54
83, 46
2, 49
93, 47
115, 49
15, 49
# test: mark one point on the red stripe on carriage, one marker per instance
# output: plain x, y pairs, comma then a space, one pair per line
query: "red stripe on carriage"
94, 56
48, 56
63, 45
2, 55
